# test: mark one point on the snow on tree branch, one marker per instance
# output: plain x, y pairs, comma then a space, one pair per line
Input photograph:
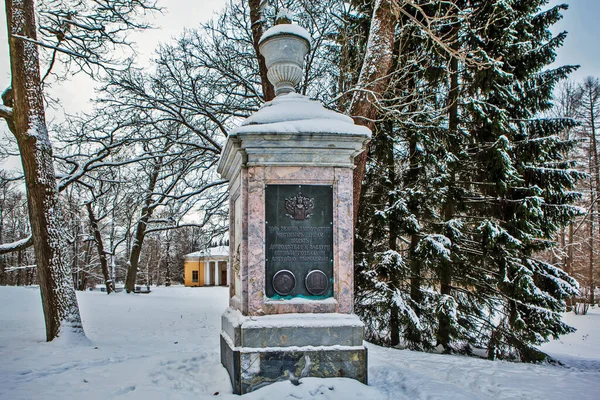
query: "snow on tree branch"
50, 46
16, 246
12, 269
6, 112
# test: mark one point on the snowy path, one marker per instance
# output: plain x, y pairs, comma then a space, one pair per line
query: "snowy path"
165, 345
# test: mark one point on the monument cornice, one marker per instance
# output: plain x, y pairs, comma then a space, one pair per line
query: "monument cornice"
317, 149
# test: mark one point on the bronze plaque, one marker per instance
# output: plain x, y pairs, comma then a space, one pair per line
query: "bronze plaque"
299, 238
284, 282
316, 282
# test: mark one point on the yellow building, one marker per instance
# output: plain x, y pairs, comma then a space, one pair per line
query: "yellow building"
207, 267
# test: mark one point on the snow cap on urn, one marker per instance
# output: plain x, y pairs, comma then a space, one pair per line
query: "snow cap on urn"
284, 47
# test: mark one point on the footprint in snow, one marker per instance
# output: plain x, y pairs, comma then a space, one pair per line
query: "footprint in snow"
124, 390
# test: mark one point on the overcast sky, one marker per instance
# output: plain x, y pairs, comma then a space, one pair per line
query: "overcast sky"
581, 47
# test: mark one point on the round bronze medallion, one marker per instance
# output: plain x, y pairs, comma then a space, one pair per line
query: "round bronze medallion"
284, 282
317, 282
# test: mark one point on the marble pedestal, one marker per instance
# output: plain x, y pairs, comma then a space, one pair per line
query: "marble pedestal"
267, 338
257, 351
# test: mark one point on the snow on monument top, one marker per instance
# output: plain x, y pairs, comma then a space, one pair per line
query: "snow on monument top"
295, 113
284, 26
289, 112
286, 29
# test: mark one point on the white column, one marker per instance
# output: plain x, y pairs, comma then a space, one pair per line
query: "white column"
217, 274
206, 272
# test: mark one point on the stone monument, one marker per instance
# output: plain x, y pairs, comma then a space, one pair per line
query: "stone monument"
289, 168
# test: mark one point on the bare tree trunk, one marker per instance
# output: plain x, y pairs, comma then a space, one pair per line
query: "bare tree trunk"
591, 229
100, 248
393, 230
50, 243
595, 191
2, 269
140, 232
164, 257
569, 265
589, 101
444, 331
562, 240
75, 268
591, 256
87, 260
257, 21
416, 294
19, 264
372, 83
411, 178
113, 272
2, 257
30, 273
136, 250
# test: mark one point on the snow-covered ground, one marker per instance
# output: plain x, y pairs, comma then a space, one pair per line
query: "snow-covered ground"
165, 345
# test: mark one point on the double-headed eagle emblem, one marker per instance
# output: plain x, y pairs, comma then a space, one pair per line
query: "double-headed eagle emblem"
299, 207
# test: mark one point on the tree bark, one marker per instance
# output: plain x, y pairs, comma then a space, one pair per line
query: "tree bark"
596, 191
100, 248
113, 276
589, 103
75, 269
50, 243
444, 331
591, 255
416, 295
19, 263
393, 230
372, 83
2, 258
140, 232
591, 243
569, 264
257, 25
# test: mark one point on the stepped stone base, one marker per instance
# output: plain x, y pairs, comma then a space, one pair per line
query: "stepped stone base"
259, 351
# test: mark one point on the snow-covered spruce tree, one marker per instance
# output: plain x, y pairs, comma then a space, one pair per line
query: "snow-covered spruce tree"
484, 186
396, 243
517, 175
79, 33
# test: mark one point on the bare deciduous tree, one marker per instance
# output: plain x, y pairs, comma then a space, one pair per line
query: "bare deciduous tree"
83, 32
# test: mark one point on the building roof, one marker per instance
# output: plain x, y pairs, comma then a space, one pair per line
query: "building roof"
219, 251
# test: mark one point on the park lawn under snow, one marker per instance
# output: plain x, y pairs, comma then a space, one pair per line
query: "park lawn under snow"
165, 345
